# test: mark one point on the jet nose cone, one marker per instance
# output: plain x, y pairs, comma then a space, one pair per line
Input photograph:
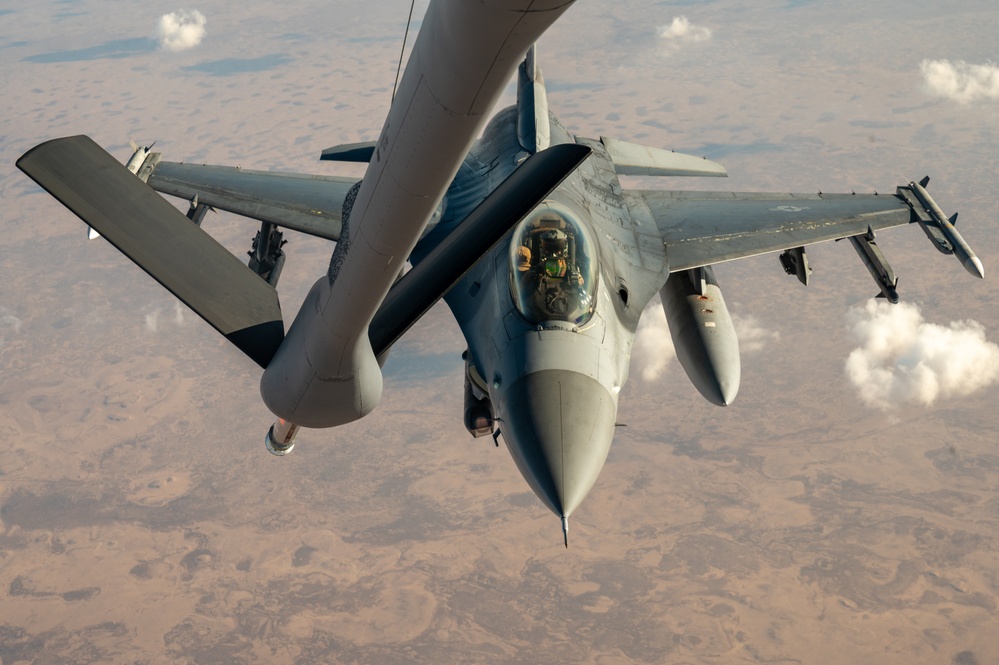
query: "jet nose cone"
559, 425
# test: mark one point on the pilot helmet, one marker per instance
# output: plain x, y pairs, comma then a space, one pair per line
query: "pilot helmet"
553, 241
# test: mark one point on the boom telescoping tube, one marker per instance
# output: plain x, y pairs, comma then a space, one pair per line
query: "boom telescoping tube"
325, 373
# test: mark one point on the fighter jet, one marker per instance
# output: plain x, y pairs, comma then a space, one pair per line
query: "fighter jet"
521, 226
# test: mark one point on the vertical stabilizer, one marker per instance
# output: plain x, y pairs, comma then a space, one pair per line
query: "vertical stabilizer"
533, 128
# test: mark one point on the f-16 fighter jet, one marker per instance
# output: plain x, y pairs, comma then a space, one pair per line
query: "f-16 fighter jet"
521, 226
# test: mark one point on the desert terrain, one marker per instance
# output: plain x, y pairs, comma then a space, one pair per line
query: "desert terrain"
142, 521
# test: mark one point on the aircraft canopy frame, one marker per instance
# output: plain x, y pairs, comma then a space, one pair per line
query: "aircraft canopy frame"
553, 275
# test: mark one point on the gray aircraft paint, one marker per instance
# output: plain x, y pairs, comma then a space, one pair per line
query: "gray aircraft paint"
326, 374
553, 385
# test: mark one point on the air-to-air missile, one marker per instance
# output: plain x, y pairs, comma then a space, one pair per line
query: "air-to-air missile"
876, 264
703, 335
939, 228
139, 154
934, 223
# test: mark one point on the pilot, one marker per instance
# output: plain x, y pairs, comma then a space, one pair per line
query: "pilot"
553, 242
554, 250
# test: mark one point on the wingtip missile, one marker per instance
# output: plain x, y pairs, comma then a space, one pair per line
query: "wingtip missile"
974, 265
958, 245
139, 154
565, 531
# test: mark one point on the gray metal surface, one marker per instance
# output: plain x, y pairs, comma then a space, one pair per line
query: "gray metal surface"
526, 366
308, 203
203, 274
634, 159
533, 128
704, 228
462, 59
560, 434
418, 290
703, 334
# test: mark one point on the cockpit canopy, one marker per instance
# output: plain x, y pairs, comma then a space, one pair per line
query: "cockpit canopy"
553, 272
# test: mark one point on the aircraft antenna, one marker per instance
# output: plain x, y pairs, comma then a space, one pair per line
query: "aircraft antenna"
405, 36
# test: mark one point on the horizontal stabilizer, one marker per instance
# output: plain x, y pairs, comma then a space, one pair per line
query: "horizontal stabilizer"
634, 159
310, 204
420, 288
145, 227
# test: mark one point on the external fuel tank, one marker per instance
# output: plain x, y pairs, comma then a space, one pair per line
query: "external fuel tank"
703, 335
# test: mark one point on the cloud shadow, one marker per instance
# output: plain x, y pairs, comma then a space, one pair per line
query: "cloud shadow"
113, 50
233, 66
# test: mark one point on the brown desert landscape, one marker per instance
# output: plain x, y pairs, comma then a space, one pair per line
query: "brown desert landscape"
830, 516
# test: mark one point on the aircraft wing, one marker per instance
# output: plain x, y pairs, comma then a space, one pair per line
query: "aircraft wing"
704, 228
311, 204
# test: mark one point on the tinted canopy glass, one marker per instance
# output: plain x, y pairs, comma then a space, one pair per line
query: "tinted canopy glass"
553, 274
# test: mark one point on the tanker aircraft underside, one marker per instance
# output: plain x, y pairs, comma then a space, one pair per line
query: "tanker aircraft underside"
519, 225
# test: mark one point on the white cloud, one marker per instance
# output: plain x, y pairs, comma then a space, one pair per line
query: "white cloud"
904, 359
653, 350
8, 323
961, 81
153, 317
682, 30
179, 30
178, 313
752, 336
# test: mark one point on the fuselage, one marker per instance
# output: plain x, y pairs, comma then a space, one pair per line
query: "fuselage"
546, 317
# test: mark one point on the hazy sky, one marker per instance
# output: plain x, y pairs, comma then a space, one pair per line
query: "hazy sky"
842, 510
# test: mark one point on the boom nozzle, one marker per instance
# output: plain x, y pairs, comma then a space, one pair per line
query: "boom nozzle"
280, 439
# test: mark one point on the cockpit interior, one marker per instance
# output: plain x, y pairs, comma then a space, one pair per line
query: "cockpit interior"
553, 276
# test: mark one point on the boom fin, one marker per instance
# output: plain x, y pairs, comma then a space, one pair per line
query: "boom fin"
350, 152
158, 238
